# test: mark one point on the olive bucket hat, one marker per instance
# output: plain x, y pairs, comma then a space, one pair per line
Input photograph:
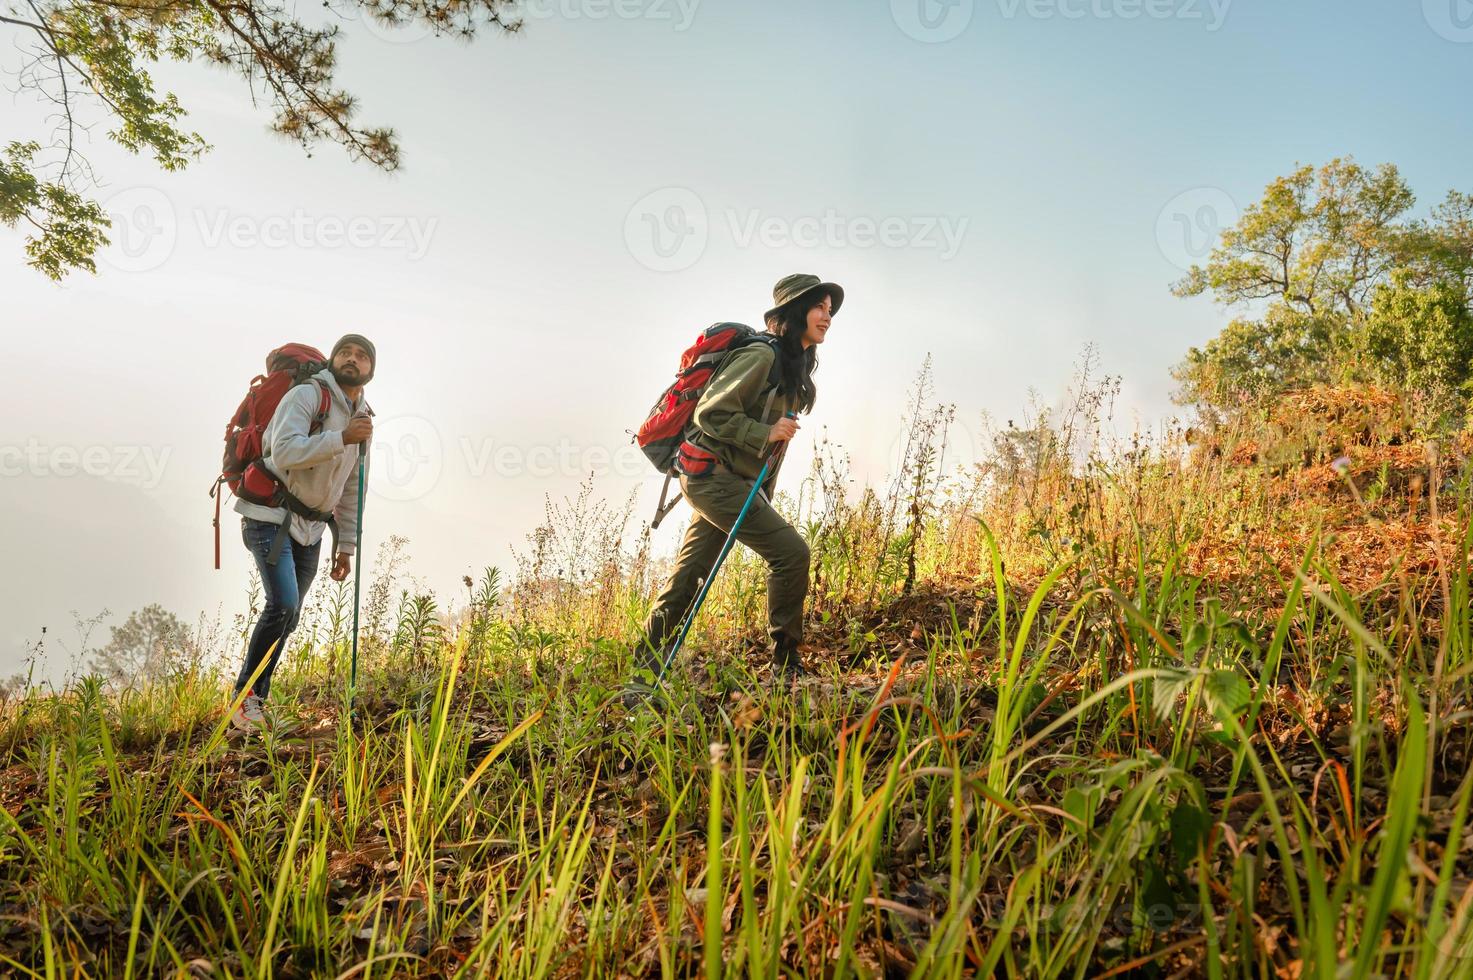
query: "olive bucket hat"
789, 288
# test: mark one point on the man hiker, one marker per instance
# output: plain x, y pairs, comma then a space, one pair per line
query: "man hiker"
316, 459
745, 415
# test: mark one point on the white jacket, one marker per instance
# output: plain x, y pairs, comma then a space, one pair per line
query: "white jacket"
317, 468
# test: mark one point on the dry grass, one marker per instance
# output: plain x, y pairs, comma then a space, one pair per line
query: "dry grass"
1188, 706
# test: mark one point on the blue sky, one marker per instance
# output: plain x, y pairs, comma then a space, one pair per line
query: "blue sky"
995, 183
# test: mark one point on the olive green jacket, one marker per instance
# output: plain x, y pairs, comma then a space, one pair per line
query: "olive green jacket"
737, 409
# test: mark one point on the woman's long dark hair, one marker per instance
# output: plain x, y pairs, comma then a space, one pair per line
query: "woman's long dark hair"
790, 323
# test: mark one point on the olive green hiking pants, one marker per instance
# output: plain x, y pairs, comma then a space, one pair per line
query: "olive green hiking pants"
716, 500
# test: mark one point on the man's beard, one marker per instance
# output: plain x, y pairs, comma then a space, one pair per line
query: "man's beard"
348, 380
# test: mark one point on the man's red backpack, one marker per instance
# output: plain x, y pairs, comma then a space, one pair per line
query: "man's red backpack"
241, 469
663, 432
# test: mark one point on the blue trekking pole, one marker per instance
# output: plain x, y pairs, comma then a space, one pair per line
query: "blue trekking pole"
711, 576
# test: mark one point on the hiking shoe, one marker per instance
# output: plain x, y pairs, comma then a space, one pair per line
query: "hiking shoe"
249, 716
638, 694
789, 671
786, 663
649, 662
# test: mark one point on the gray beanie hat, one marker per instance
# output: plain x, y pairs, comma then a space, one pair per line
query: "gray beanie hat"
361, 341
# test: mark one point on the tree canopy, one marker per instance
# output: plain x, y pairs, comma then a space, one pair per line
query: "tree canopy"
151, 643
1336, 282
92, 56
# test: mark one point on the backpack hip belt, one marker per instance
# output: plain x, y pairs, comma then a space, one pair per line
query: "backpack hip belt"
294, 505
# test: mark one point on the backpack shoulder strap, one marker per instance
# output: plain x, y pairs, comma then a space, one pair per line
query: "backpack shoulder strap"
324, 405
775, 372
767, 405
719, 359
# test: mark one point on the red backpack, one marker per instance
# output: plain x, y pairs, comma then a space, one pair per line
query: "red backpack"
241, 470
663, 432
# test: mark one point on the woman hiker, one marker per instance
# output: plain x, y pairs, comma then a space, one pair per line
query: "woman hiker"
740, 421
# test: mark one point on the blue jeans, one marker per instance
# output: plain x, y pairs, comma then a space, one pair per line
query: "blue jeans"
286, 584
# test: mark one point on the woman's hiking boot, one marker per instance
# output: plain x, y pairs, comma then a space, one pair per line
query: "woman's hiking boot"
786, 662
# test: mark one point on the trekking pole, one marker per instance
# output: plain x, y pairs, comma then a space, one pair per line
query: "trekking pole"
357, 577
690, 617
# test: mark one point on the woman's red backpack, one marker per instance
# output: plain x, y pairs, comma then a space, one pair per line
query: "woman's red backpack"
241, 469
663, 431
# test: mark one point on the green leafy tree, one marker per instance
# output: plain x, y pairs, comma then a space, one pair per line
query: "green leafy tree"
1421, 338
1253, 360
1441, 250
1336, 284
93, 56
1319, 242
152, 642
